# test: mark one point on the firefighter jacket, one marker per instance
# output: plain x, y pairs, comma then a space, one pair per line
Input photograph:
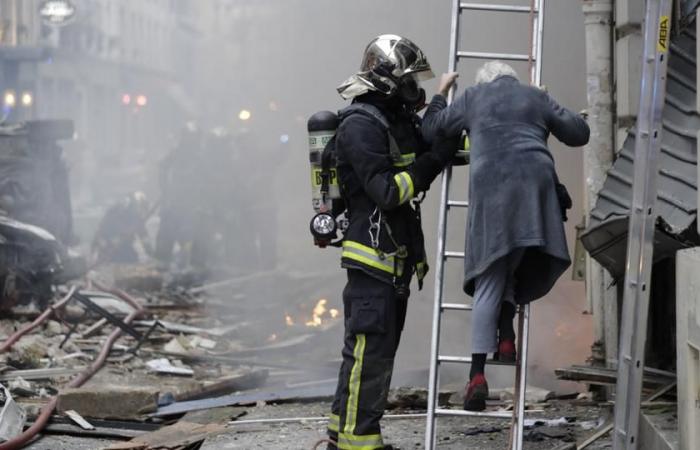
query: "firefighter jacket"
384, 236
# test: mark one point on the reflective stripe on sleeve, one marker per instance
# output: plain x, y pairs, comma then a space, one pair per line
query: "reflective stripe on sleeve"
405, 160
405, 184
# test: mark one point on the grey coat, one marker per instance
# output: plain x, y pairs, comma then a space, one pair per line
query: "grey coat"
512, 199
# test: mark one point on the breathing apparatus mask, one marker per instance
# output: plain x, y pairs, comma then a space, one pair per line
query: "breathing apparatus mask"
405, 89
410, 93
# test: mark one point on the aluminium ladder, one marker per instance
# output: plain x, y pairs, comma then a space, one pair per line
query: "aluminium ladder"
534, 58
640, 245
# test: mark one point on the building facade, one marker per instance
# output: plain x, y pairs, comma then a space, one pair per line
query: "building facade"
117, 69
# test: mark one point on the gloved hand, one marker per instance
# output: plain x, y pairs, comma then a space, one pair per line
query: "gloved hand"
445, 147
429, 165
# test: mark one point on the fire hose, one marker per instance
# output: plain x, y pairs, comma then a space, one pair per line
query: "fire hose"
38, 321
43, 418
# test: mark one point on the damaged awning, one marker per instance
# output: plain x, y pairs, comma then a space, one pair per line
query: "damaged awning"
606, 236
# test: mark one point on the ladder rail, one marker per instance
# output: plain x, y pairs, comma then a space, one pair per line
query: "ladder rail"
536, 11
537, 45
518, 425
430, 434
640, 245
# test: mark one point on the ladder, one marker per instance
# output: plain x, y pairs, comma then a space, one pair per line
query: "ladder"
640, 245
534, 58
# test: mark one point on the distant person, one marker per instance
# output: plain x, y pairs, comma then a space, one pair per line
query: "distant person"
182, 175
122, 231
383, 245
515, 247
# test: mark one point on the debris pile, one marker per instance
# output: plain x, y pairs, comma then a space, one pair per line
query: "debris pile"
102, 363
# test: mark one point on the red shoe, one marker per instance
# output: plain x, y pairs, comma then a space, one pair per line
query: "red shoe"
506, 351
477, 393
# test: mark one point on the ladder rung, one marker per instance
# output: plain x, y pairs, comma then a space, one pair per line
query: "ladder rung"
456, 307
504, 8
459, 412
454, 255
502, 56
458, 203
468, 360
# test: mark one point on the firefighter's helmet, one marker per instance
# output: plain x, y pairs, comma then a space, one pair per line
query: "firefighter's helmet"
387, 59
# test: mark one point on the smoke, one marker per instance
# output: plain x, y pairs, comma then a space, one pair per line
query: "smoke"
258, 69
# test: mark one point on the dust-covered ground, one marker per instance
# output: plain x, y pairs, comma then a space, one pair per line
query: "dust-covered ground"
453, 433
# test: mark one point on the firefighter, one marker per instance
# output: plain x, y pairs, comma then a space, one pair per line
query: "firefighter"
382, 170
181, 175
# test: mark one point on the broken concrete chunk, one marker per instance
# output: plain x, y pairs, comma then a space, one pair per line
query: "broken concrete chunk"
27, 353
109, 402
53, 328
21, 387
532, 394
177, 345
163, 366
198, 341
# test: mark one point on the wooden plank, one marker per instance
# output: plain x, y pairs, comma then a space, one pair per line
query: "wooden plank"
601, 375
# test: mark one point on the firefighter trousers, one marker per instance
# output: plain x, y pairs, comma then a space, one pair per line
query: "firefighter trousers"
374, 319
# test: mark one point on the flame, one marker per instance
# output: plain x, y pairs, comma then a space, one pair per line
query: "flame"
318, 312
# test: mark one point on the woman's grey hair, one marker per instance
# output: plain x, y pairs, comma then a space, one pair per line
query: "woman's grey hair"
492, 70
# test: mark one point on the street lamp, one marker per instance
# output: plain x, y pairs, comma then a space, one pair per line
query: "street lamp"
27, 99
10, 99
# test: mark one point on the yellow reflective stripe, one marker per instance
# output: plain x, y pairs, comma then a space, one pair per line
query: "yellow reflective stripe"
334, 422
355, 442
354, 385
405, 183
420, 270
406, 160
367, 255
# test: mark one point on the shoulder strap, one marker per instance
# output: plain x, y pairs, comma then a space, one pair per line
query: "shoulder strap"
376, 113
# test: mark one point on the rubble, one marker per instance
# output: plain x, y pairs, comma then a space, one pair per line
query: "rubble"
194, 355
407, 397
113, 402
79, 420
12, 416
27, 353
174, 437
533, 394
163, 366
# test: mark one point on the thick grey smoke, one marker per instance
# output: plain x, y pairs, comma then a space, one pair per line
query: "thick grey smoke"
276, 62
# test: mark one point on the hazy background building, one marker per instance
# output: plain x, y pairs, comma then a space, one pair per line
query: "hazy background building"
131, 73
